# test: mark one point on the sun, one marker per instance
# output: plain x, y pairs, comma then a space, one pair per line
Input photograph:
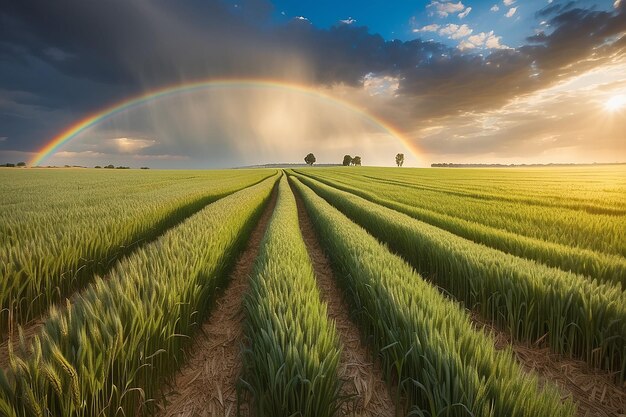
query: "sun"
615, 103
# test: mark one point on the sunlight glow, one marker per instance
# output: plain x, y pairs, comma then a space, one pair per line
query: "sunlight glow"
615, 103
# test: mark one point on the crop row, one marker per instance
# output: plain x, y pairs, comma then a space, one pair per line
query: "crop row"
607, 268
577, 316
290, 364
428, 347
594, 190
55, 235
106, 353
598, 232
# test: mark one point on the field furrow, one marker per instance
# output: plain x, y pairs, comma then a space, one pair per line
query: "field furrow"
429, 350
292, 350
508, 195
359, 369
576, 316
108, 352
595, 265
63, 230
325, 292
208, 380
601, 233
593, 391
596, 190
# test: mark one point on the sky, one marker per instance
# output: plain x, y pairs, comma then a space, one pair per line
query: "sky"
468, 81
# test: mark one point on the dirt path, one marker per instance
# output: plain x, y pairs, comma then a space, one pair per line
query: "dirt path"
593, 390
363, 378
206, 384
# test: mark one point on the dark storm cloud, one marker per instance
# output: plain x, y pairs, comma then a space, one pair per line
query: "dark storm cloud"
346, 53
555, 8
462, 82
577, 34
68, 57
118, 41
77, 56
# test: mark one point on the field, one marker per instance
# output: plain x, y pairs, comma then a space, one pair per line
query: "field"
313, 292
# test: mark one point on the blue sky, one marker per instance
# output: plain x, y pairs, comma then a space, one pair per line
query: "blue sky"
513, 21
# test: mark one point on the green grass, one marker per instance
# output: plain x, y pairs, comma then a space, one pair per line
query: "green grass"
290, 364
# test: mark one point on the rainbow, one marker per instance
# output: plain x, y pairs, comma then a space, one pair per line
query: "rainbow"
74, 130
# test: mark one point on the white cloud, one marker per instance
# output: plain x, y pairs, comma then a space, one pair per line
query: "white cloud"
428, 28
495, 8
493, 42
483, 40
82, 154
455, 31
478, 39
163, 157
617, 3
511, 12
443, 9
550, 125
380, 86
301, 18
130, 145
348, 21
466, 45
508, 2
3, 138
465, 13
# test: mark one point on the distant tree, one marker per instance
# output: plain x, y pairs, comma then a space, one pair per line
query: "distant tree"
400, 159
356, 161
310, 159
21, 164
110, 166
9, 165
98, 166
144, 168
347, 160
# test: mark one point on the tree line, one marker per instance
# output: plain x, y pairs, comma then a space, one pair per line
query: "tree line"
352, 160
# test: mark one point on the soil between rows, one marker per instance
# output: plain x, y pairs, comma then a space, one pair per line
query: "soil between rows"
363, 377
593, 390
206, 385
